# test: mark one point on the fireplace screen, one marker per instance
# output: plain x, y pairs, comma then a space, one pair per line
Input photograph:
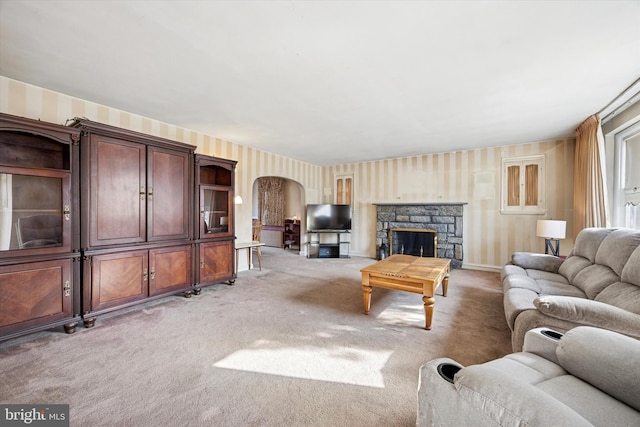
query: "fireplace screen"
411, 241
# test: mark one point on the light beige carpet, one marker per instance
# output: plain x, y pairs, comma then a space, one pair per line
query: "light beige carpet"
285, 346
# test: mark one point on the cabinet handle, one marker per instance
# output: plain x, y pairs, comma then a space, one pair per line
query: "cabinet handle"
150, 193
142, 193
67, 212
67, 288
201, 262
153, 274
144, 275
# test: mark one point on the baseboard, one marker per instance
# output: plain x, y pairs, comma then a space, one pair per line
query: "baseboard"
481, 267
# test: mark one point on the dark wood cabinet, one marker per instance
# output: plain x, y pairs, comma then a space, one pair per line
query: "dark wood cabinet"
215, 222
291, 234
215, 262
39, 272
136, 235
135, 192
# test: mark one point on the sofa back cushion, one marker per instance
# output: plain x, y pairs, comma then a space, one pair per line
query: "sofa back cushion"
594, 278
588, 241
584, 251
605, 359
626, 293
617, 247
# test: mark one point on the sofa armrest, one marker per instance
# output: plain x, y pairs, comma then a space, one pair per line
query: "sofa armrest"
530, 260
587, 312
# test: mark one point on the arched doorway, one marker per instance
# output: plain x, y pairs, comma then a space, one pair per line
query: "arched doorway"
275, 199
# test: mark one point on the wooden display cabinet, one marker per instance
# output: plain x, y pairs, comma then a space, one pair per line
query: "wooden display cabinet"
39, 272
214, 225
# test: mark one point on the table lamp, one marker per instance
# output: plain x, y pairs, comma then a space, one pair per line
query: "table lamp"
552, 231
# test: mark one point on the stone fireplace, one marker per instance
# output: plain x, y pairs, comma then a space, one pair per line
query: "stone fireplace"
421, 229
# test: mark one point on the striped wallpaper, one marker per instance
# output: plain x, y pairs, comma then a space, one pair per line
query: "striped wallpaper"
466, 176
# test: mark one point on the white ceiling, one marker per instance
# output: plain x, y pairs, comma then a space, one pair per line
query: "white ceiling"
335, 82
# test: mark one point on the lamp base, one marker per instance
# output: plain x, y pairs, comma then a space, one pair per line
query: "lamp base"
553, 246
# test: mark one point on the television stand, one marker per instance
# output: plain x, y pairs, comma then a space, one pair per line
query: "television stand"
317, 247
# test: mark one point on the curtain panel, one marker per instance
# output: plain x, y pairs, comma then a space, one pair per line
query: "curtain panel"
271, 200
589, 206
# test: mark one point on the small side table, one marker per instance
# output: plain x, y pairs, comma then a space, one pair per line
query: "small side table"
249, 247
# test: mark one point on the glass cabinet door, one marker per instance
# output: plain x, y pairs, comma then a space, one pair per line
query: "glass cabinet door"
34, 211
215, 211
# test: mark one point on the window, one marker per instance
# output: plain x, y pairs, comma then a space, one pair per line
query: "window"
344, 189
625, 208
523, 185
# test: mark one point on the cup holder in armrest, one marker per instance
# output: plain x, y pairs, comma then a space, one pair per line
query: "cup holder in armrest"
447, 371
551, 334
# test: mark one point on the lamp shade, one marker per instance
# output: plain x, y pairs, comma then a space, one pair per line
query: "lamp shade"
551, 229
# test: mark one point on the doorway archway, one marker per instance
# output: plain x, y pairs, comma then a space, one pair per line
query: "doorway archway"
293, 207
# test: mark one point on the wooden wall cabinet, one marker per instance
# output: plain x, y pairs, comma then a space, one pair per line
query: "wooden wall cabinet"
215, 223
136, 205
39, 272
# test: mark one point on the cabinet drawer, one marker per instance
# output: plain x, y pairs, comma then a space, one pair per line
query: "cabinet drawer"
35, 294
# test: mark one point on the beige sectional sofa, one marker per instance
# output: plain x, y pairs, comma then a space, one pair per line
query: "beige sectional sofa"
598, 284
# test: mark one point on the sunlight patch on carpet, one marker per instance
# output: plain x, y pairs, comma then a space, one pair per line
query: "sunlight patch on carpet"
337, 364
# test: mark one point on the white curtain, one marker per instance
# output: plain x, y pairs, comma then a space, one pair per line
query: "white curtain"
632, 215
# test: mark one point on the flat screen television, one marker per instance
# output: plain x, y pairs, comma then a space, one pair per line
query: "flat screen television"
328, 217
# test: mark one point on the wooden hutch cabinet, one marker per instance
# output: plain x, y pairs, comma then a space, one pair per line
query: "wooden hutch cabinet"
136, 217
214, 227
39, 268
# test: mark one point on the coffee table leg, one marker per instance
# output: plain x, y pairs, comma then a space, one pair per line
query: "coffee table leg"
428, 310
445, 285
366, 293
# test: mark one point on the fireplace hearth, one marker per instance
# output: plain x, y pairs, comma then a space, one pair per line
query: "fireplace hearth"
422, 229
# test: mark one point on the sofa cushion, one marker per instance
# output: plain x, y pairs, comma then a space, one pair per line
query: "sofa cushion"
604, 359
508, 400
588, 241
545, 275
594, 278
596, 406
622, 295
617, 247
631, 271
555, 288
572, 266
520, 281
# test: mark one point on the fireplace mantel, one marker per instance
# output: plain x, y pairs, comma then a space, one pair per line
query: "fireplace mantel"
444, 217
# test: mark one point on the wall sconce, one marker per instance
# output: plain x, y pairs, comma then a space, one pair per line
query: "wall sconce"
552, 231
237, 200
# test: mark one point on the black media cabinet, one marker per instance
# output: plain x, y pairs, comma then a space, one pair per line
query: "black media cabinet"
317, 247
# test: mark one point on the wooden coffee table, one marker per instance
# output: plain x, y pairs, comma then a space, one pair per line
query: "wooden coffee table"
420, 275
